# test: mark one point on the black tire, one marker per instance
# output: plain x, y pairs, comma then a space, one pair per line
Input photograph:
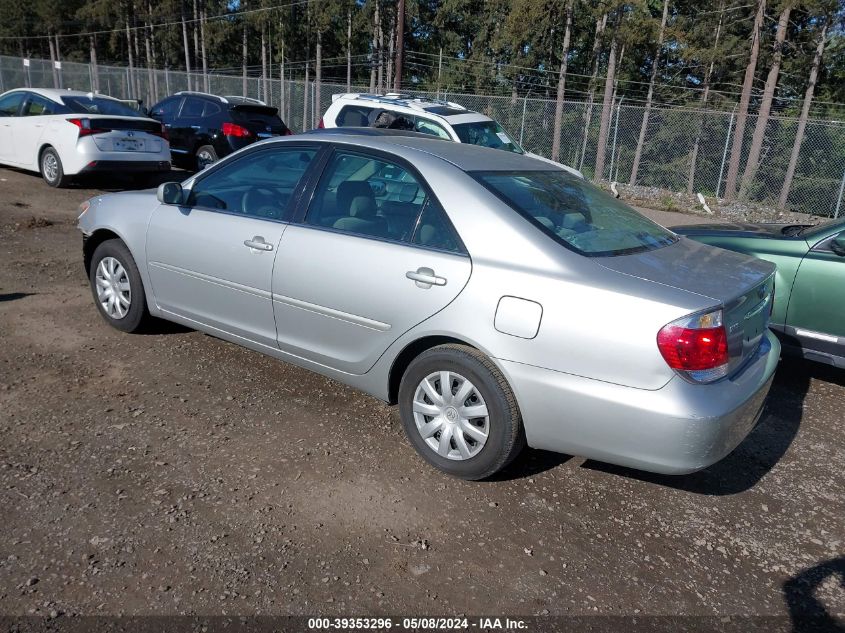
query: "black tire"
204, 156
53, 174
505, 439
137, 316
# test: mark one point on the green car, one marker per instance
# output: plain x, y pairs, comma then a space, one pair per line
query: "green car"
809, 308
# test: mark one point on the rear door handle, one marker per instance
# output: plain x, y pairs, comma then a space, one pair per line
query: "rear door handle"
425, 278
258, 244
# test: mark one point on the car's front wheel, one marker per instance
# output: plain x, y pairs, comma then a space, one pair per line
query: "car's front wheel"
459, 412
51, 168
117, 287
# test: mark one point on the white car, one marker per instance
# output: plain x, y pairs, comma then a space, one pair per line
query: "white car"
63, 133
443, 119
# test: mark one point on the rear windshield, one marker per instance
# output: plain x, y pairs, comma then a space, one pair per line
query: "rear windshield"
575, 213
257, 115
98, 105
486, 134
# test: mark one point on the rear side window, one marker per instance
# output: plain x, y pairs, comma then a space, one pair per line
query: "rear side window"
367, 196
211, 109
38, 106
435, 231
167, 108
192, 108
575, 213
353, 116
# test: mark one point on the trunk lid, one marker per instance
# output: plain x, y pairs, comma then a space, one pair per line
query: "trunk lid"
111, 123
743, 286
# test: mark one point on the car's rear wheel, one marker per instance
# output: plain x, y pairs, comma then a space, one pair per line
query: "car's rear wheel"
459, 412
205, 156
51, 168
117, 287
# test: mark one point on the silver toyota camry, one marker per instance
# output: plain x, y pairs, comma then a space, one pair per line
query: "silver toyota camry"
497, 299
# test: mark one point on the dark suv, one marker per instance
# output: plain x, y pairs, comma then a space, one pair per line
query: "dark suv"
204, 127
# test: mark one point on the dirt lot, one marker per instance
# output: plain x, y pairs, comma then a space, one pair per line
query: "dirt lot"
176, 473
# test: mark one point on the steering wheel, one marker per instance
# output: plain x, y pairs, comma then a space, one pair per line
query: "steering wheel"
263, 202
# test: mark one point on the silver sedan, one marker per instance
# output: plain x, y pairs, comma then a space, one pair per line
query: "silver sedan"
498, 300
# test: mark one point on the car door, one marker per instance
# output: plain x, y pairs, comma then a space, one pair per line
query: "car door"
210, 260
817, 303
30, 126
9, 109
166, 112
373, 256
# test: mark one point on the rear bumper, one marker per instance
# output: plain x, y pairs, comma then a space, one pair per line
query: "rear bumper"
134, 166
677, 429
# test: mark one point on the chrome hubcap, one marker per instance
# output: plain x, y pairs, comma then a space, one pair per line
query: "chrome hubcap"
113, 290
451, 415
50, 167
204, 159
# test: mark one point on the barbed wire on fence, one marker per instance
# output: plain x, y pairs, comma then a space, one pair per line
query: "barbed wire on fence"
685, 148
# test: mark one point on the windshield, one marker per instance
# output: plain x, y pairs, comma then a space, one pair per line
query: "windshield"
98, 105
486, 134
575, 213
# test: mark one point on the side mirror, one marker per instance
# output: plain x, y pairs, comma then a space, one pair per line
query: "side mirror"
169, 193
837, 245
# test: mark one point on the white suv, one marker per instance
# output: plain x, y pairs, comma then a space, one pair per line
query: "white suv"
444, 119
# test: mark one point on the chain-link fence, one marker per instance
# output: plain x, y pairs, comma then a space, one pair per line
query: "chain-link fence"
684, 150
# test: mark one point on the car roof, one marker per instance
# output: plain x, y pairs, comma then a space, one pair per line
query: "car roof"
413, 146
441, 109
54, 93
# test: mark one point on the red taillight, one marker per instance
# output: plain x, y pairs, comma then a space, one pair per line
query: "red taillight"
696, 345
321, 125
84, 126
162, 133
232, 129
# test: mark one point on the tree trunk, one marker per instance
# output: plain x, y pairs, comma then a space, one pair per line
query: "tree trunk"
561, 82
380, 74
349, 50
138, 80
195, 29
92, 52
391, 40
400, 45
282, 96
704, 96
305, 100
318, 75
131, 86
638, 154
374, 53
53, 60
264, 80
802, 121
606, 110
203, 17
753, 161
187, 49
244, 55
745, 98
151, 98
601, 24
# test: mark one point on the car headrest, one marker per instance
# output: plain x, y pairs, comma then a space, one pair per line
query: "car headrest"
363, 208
349, 190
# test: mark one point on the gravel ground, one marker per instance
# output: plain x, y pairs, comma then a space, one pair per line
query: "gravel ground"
175, 473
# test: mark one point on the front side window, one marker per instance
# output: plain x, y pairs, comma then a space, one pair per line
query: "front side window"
192, 108
486, 134
10, 104
167, 109
91, 104
367, 196
575, 213
258, 185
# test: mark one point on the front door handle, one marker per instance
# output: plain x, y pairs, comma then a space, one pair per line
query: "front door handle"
258, 244
425, 278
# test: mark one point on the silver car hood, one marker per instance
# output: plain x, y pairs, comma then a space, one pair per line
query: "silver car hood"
688, 265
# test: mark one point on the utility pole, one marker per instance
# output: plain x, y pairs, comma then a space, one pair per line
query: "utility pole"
400, 45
